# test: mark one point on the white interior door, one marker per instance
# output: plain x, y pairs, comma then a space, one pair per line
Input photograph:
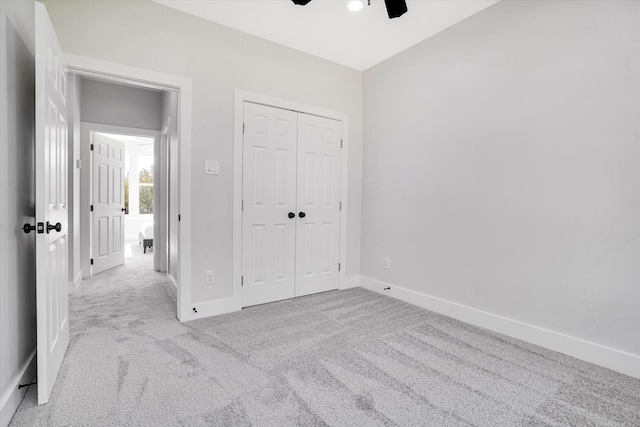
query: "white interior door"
269, 204
318, 199
107, 222
51, 204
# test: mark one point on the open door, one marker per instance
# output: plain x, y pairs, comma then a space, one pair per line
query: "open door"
51, 204
107, 219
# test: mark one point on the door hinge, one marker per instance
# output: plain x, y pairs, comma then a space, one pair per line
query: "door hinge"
241, 280
178, 218
91, 147
91, 261
339, 266
340, 205
341, 143
91, 208
243, 205
243, 128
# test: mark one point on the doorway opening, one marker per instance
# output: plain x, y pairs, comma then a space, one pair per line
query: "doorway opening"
127, 147
134, 241
176, 102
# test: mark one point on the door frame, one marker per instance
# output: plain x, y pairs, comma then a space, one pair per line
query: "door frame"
86, 184
119, 73
241, 96
161, 153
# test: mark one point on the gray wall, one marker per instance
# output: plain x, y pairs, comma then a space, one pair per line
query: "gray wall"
118, 105
218, 60
502, 167
17, 201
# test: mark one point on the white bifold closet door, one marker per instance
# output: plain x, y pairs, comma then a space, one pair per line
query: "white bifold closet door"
318, 196
291, 204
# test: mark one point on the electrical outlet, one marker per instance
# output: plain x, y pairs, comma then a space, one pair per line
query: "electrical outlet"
209, 277
211, 167
387, 263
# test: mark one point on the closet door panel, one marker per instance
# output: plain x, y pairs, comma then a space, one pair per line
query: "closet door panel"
318, 230
269, 195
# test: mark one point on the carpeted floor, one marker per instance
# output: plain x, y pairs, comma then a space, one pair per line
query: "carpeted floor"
342, 358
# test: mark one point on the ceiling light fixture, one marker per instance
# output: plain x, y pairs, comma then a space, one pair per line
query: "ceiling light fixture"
395, 8
355, 6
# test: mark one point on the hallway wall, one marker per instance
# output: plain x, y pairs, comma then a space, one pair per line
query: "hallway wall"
119, 105
170, 116
74, 120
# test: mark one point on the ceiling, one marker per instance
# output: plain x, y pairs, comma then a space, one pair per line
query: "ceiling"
327, 29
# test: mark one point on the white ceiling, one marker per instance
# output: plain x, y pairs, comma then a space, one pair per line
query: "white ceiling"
325, 28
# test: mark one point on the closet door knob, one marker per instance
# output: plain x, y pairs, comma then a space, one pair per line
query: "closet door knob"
302, 214
292, 215
57, 227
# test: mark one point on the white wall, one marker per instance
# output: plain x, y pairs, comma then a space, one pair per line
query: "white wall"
119, 105
502, 167
217, 60
17, 203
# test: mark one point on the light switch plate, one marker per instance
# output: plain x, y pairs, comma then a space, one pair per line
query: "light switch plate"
211, 167
209, 278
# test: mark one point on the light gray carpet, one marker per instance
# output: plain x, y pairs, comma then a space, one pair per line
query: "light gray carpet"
339, 358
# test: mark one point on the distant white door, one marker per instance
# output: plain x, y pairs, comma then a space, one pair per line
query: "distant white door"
269, 204
107, 234
51, 204
291, 204
318, 232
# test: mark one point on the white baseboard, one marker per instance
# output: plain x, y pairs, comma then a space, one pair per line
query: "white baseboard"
12, 397
229, 305
173, 285
211, 308
349, 282
75, 285
625, 363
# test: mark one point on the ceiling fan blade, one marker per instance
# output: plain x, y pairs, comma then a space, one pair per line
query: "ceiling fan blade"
300, 2
396, 8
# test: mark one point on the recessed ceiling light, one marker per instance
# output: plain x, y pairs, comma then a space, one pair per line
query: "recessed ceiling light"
355, 6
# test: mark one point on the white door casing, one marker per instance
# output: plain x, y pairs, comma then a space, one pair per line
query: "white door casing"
51, 204
107, 218
318, 232
269, 193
